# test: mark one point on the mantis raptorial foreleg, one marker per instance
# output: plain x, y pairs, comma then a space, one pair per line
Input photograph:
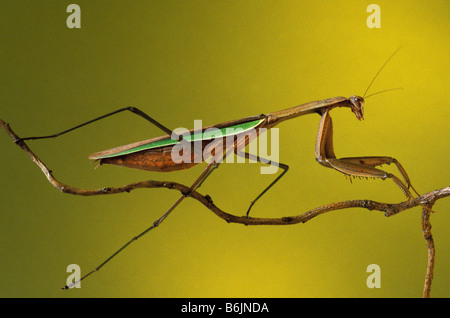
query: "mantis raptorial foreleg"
355, 166
374, 161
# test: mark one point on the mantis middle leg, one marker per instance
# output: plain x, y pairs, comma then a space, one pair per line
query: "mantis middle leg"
262, 160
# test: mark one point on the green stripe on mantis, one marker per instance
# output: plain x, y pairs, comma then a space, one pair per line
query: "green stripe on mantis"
226, 131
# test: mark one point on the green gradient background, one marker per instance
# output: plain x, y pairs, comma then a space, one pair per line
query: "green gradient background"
219, 61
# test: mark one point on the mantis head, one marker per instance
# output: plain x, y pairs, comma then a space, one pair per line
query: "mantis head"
357, 106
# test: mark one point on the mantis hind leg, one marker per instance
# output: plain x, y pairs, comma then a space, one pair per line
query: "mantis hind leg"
133, 110
155, 224
266, 161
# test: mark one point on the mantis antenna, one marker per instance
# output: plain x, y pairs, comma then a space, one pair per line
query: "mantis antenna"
383, 91
379, 71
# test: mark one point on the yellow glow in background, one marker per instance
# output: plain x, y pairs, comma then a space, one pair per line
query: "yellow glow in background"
218, 61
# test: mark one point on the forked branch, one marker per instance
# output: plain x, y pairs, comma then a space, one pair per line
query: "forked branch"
427, 199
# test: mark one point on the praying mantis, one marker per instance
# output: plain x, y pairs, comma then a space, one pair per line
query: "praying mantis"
156, 154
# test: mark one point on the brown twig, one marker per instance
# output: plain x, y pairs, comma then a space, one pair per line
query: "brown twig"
427, 199
426, 229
